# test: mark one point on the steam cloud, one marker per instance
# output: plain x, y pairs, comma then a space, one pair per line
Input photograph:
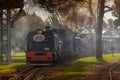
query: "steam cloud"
72, 14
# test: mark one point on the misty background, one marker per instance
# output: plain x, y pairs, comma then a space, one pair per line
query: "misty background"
72, 17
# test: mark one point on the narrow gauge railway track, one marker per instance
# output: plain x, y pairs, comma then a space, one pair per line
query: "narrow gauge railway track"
114, 72
20, 73
108, 71
39, 74
45, 73
32, 73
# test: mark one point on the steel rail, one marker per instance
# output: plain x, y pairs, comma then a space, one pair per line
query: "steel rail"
111, 69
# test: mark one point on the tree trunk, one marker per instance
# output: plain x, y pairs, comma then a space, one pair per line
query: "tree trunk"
99, 30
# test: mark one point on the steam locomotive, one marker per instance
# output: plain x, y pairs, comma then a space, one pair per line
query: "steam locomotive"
48, 47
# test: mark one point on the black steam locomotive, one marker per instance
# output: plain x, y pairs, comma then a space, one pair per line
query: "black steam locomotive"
48, 47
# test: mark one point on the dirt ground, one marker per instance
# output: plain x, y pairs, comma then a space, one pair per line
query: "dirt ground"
97, 73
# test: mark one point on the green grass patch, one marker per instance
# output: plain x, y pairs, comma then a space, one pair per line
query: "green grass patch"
18, 54
18, 60
18, 57
82, 65
10, 67
109, 57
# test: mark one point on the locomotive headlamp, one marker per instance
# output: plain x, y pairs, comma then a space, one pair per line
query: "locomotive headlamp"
47, 49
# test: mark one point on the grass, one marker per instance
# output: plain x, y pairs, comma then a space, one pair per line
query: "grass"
18, 57
20, 54
18, 60
81, 66
10, 67
109, 57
